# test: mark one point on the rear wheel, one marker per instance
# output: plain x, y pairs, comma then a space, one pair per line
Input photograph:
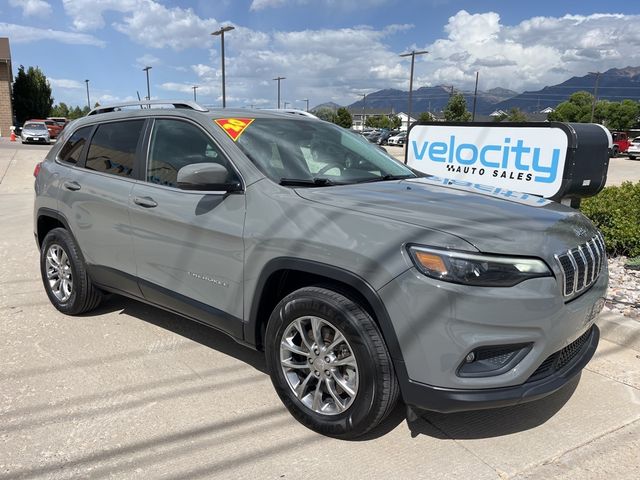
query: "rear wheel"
329, 364
64, 274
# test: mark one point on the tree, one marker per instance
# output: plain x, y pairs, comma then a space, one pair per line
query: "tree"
31, 94
622, 115
516, 115
578, 109
60, 110
378, 121
425, 117
325, 114
343, 118
396, 123
456, 109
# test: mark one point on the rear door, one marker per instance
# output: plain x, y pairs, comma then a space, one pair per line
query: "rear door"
188, 245
95, 195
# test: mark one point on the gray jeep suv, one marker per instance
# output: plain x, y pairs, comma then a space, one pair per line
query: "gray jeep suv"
359, 278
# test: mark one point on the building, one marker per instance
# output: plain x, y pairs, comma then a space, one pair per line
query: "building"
6, 78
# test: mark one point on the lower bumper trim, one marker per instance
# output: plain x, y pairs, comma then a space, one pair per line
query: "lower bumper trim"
448, 400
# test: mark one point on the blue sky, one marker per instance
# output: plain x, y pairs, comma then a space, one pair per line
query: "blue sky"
328, 50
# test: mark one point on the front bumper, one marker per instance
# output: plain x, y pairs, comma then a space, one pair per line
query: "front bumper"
438, 324
449, 400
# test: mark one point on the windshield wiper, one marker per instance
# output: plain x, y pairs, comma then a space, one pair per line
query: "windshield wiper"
385, 178
307, 182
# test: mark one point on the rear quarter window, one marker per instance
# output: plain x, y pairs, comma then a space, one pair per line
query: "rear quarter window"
113, 147
72, 149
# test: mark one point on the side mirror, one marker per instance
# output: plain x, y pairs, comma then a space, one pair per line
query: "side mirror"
206, 176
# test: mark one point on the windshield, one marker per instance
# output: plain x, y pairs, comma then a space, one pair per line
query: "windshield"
316, 153
35, 126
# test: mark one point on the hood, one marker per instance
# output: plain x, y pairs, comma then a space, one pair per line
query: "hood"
494, 221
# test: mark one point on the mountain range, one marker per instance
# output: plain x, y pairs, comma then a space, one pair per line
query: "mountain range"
615, 84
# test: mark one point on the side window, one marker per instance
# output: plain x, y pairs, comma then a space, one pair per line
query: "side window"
174, 144
71, 151
113, 147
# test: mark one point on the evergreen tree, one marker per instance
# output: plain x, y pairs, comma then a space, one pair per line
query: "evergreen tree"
343, 118
456, 109
31, 94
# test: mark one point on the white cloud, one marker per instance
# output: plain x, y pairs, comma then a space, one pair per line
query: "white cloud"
65, 83
147, 60
24, 34
536, 52
38, 8
257, 5
146, 22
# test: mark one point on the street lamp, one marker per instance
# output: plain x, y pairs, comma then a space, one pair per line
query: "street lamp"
146, 69
411, 54
88, 100
595, 94
285, 104
226, 28
364, 110
278, 80
195, 87
305, 100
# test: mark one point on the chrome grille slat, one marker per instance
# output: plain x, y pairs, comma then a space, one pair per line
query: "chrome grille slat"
581, 266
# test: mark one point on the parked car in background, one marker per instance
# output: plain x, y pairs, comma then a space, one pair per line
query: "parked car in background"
383, 137
620, 143
398, 139
53, 127
35, 132
62, 121
633, 151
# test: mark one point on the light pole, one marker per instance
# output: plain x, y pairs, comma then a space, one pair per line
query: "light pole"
475, 96
285, 104
278, 80
364, 110
305, 100
195, 87
146, 69
88, 100
411, 54
220, 32
595, 94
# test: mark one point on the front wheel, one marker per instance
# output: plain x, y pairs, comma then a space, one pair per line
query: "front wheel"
329, 364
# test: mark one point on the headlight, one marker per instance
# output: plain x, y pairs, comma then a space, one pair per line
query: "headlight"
476, 269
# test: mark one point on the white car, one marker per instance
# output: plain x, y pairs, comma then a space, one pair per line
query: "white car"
634, 149
397, 139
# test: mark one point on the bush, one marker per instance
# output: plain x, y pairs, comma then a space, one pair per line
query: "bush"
616, 212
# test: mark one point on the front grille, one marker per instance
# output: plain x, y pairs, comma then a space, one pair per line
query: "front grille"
561, 358
581, 265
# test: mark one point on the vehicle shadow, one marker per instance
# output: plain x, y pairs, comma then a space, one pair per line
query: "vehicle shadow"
492, 422
197, 332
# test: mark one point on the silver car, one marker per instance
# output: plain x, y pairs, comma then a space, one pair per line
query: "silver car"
35, 132
361, 280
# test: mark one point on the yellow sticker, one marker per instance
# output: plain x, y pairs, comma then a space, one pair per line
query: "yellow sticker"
234, 126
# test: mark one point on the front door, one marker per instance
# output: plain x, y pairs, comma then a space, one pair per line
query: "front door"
188, 245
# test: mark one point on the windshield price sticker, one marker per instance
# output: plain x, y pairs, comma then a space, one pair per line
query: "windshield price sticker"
234, 126
524, 159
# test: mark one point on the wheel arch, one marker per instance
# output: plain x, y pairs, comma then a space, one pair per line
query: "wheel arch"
283, 275
47, 220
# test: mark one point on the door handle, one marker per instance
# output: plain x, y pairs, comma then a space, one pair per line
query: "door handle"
146, 202
73, 186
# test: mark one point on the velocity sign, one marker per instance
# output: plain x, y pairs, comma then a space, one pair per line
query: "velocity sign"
518, 157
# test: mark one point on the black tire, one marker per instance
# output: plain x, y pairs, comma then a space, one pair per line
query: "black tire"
84, 295
632, 157
377, 390
614, 151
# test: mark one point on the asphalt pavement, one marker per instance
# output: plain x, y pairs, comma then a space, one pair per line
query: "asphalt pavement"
130, 391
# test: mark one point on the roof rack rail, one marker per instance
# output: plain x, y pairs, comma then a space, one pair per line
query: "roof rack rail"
185, 104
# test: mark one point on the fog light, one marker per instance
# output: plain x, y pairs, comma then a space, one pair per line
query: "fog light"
492, 360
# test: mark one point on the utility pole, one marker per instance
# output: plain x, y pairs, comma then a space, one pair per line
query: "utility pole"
220, 32
277, 79
88, 101
595, 94
411, 54
475, 97
195, 87
146, 70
